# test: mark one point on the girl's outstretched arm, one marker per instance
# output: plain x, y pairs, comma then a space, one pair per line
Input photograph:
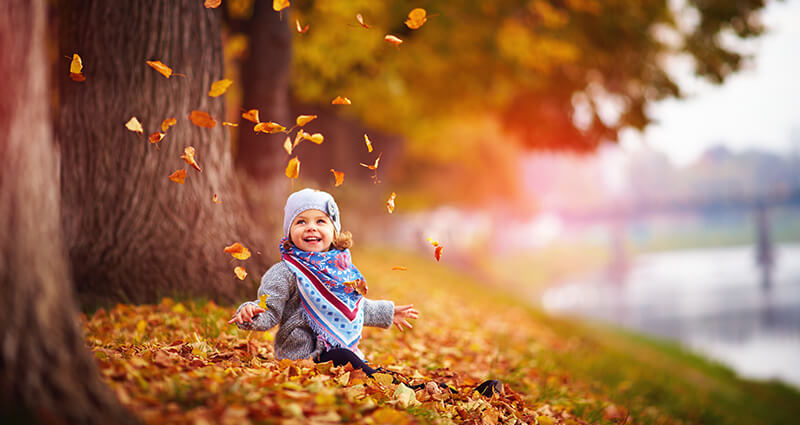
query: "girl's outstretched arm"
276, 284
402, 313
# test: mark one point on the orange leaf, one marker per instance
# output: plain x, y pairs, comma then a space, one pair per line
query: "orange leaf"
238, 251
287, 145
160, 67
400, 268
416, 18
269, 127
316, 137
390, 203
241, 273
393, 40
75, 68
339, 176
219, 87
212, 4
167, 123
215, 199
229, 124
188, 156
301, 30
375, 165
178, 176
368, 142
134, 125
293, 169
438, 253
156, 137
305, 119
279, 5
360, 285
341, 101
251, 115
433, 242
202, 119
360, 20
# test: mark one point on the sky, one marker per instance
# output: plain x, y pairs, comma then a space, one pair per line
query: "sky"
758, 107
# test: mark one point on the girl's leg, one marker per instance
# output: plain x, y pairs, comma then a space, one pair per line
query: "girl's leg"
343, 356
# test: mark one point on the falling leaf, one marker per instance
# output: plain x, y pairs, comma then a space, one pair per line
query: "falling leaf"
390, 203
287, 145
433, 242
315, 138
269, 127
416, 18
305, 119
279, 5
202, 119
178, 176
156, 137
368, 142
215, 199
393, 40
293, 169
76, 68
400, 268
251, 115
375, 165
219, 87
167, 123
360, 20
160, 67
229, 124
438, 253
238, 251
339, 100
262, 301
301, 30
188, 156
134, 125
212, 4
241, 273
339, 176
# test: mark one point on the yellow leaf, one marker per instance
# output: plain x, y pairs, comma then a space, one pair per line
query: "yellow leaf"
339, 100
390, 203
287, 145
178, 176
160, 67
383, 378
316, 137
262, 301
293, 168
405, 396
241, 273
251, 115
375, 165
76, 66
219, 87
368, 142
343, 379
416, 18
305, 119
167, 123
269, 127
141, 326
238, 251
360, 20
339, 176
393, 40
229, 124
301, 30
134, 125
215, 199
279, 5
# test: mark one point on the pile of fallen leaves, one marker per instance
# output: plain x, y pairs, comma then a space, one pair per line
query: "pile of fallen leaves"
180, 362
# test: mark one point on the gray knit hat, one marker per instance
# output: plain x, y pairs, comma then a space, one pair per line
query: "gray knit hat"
310, 199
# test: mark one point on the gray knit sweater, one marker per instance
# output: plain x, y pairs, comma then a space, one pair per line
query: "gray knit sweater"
295, 339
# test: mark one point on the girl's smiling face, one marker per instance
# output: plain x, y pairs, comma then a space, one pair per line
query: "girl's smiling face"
312, 230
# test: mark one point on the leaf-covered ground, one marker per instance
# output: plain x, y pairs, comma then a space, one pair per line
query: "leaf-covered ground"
180, 362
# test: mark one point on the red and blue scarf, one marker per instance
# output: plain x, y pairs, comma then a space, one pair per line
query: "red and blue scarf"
332, 308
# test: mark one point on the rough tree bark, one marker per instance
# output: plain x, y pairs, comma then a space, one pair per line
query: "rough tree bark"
46, 373
133, 235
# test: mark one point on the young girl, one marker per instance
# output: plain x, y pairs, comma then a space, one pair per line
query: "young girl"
311, 293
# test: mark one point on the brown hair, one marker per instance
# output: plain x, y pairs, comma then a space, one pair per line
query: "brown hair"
343, 240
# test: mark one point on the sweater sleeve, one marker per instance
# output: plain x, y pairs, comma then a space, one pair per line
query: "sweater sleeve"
378, 313
277, 285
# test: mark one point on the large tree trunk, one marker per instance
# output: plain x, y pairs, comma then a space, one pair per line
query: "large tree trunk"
133, 234
46, 373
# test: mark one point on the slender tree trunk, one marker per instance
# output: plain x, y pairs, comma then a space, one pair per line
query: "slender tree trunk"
134, 235
46, 373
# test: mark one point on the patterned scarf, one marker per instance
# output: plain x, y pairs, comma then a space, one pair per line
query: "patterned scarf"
332, 308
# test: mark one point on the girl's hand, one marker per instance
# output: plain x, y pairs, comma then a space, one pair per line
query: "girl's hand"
401, 315
246, 314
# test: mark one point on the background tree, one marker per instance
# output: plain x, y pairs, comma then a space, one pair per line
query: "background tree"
46, 373
132, 234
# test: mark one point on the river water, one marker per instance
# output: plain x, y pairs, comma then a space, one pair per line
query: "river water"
713, 301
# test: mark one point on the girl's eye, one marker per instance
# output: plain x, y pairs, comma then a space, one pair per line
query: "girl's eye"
299, 222
321, 221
